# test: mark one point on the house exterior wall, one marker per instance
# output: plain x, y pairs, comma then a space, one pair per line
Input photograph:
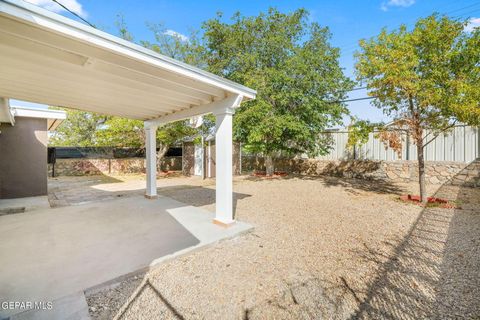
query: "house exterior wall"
23, 158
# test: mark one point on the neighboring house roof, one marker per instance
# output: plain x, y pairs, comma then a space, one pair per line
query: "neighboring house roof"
50, 59
6, 114
9, 113
54, 117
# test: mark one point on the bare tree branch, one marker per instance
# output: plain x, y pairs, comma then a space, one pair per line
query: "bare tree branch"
438, 133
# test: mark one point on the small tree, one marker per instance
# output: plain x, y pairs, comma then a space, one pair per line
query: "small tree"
295, 71
121, 132
426, 78
77, 130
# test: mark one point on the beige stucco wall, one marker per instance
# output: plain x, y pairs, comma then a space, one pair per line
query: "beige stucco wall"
23, 158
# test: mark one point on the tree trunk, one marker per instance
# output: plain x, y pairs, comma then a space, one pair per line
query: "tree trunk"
162, 150
418, 135
269, 168
421, 170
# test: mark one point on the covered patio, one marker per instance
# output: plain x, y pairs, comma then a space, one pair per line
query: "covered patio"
46, 58
56, 254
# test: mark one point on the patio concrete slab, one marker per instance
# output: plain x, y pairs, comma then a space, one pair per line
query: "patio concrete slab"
28, 204
71, 307
49, 254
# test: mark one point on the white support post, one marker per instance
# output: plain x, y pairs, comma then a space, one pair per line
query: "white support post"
224, 171
151, 155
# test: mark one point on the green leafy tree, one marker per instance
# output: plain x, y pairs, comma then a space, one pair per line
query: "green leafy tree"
359, 132
123, 132
424, 78
177, 46
296, 72
77, 130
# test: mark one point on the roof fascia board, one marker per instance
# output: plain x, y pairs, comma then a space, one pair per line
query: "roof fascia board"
229, 104
39, 113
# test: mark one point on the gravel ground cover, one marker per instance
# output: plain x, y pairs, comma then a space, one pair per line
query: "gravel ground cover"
322, 248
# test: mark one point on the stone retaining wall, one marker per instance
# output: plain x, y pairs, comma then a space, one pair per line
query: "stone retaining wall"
400, 171
81, 167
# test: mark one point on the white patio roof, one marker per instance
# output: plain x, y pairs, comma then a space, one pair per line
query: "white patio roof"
49, 59
46, 58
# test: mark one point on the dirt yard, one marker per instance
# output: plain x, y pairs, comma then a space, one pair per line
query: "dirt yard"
322, 248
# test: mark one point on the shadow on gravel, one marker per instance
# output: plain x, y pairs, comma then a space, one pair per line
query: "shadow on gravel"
309, 299
116, 302
433, 272
349, 184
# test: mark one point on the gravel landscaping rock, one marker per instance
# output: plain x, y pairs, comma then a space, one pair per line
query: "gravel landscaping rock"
322, 248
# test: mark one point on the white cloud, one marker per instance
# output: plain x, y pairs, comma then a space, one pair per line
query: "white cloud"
50, 5
396, 3
472, 24
174, 33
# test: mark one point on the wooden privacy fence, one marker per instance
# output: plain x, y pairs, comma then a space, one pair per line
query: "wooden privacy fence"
461, 144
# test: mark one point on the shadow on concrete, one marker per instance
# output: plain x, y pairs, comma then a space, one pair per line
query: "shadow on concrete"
79, 247
64, 191
197, 196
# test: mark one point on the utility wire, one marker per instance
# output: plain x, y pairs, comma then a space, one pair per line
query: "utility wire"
460, 9
355, 89
76, 15
351, 47
351, 100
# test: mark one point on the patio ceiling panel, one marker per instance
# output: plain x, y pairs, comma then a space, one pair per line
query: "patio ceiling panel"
25, 56
27, 51
49, 59
92, 87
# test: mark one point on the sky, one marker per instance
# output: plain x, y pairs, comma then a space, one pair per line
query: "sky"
348, 21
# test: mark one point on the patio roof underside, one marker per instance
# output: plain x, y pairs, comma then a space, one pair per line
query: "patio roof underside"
48, 59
